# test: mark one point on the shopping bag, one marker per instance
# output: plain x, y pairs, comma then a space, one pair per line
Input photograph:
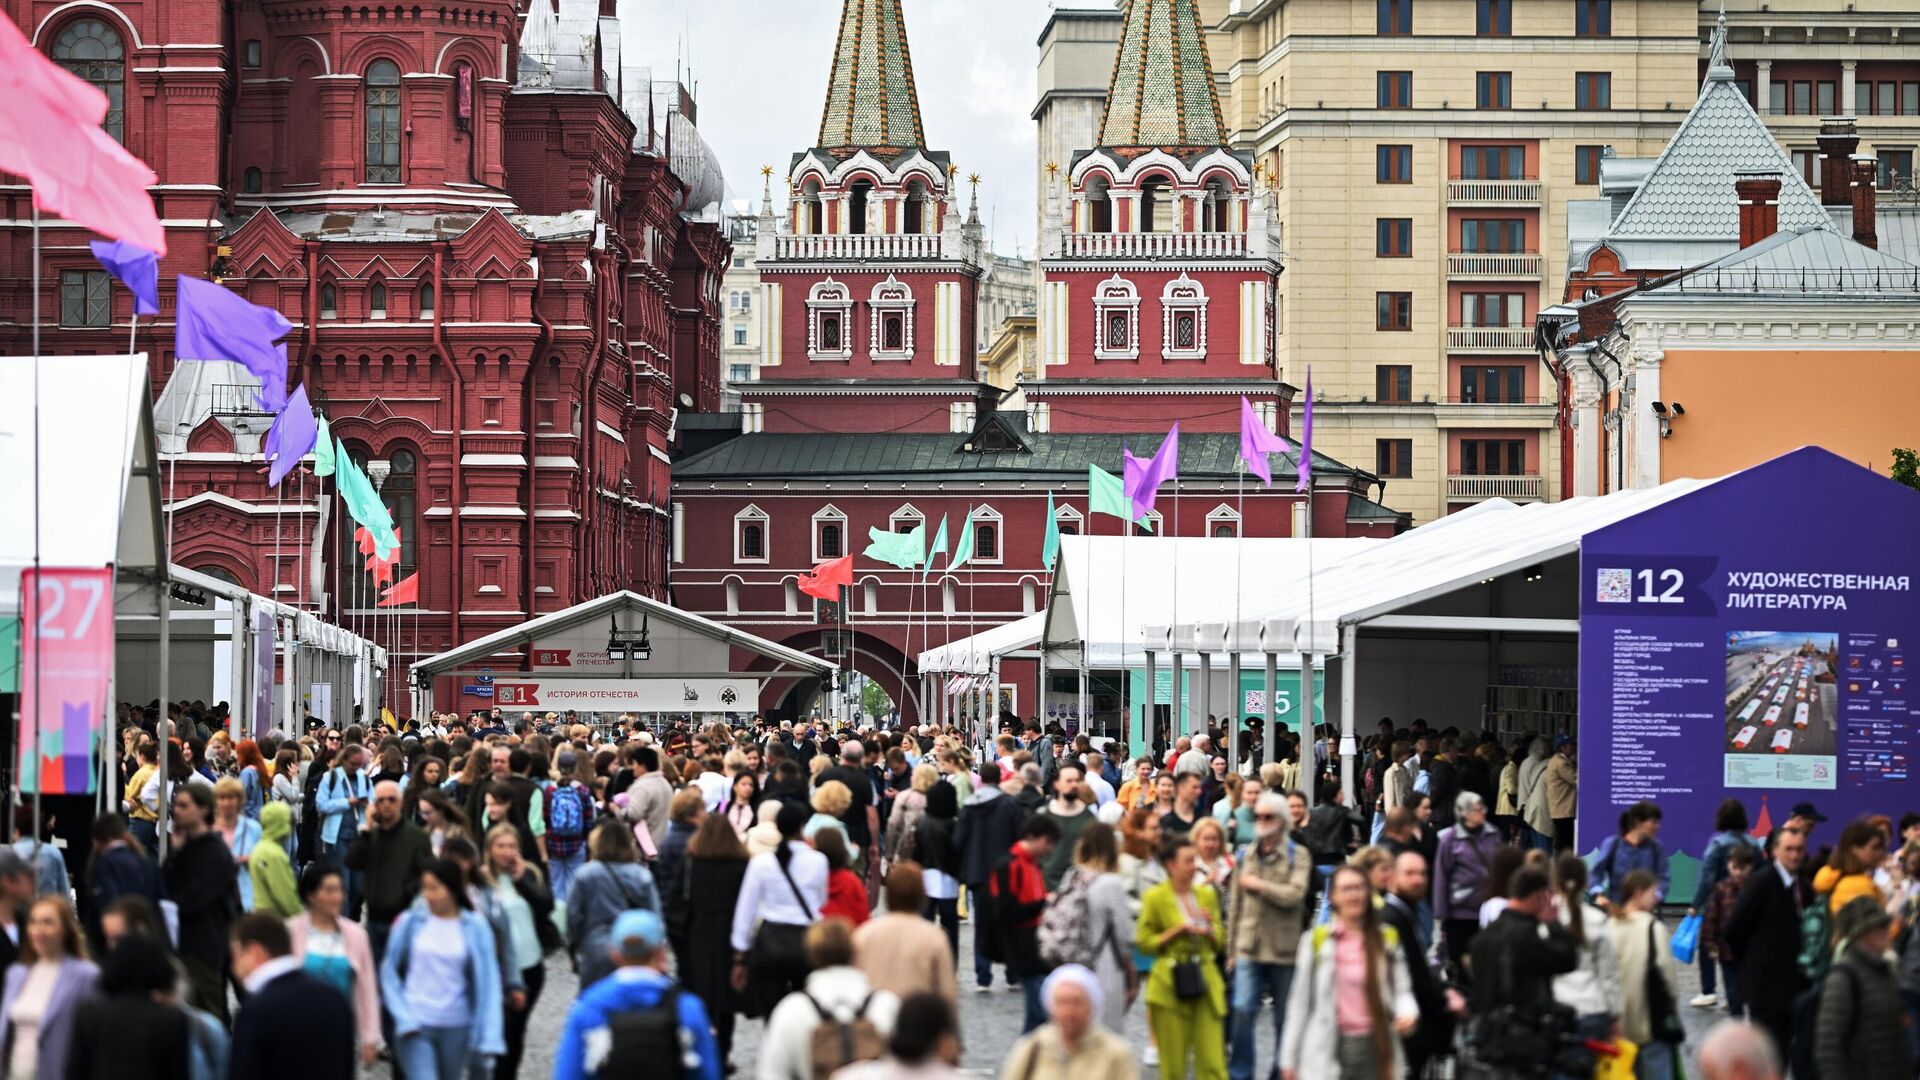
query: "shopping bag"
1618, 1065
1686, 939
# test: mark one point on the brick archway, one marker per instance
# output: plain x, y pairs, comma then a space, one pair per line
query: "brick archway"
871, 656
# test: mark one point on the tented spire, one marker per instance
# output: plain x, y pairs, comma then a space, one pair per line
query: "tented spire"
1162, 92
871, 100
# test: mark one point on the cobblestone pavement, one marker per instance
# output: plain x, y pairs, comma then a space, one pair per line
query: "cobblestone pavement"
989, 1023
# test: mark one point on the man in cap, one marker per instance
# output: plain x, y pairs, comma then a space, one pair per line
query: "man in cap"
630, 1021
862, 819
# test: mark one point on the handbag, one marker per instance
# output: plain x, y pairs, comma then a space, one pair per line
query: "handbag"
1686, 939
1663, 1013
1189, 983
780, 949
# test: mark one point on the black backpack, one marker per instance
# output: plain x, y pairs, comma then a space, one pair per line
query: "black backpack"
646, 1042
1806, 1017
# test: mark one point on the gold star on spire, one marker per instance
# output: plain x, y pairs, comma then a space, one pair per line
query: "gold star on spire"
766, 170
1053, 168
974, 179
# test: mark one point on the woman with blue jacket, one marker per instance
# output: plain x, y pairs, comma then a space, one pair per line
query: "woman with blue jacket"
1729, 832
441, 982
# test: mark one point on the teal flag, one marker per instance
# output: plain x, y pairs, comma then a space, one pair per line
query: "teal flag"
963, 550
9, 655
1050, 549
904, 550
1107, 495
323, 451
939, 548
363, 502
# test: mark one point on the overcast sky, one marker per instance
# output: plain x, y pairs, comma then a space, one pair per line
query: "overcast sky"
761, 66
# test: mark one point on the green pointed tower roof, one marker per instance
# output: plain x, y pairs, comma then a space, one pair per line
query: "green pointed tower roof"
871, 100
1162, 92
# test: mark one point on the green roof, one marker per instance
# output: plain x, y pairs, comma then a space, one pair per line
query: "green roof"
771, 455
871, 99
1162, 93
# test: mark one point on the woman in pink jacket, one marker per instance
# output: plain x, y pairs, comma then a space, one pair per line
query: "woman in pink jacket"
336, 951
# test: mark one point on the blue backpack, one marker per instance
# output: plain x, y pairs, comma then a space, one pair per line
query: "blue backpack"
567, 812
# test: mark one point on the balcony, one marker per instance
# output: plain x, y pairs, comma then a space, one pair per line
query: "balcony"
1494, 192
1490, 339
859, 246
1156, 245
1493, 264
1476, 488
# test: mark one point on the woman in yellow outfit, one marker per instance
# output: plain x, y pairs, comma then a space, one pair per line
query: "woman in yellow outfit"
1180, 928
1849, 872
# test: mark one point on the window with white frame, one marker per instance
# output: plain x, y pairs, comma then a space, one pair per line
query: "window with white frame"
1183, 307
733, 595
829, 322
870, 596
829, 533
1029, 596
1069, 520
989, 536
1223, 522
1153, 524
890, 309
1116, 332
906, 519
750, 535
960, 416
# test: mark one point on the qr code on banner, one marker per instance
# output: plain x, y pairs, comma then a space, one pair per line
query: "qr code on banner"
1615, 587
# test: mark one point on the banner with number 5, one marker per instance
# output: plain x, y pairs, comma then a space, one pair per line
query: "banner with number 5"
66, 660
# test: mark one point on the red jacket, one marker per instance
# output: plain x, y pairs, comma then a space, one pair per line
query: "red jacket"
846, 897
1024, 886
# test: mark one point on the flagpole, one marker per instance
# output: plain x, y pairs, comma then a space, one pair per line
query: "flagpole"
39, 648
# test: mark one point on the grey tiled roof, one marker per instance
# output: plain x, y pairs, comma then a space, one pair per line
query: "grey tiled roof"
1689, 195
871, 98
1806, 262
1062, 457
1162, 92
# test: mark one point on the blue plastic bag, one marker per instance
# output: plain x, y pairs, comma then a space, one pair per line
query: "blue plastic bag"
1686, 939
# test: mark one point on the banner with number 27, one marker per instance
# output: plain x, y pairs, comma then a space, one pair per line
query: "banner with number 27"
66, 662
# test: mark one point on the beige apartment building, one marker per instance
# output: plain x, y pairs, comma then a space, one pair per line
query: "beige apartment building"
1422, 154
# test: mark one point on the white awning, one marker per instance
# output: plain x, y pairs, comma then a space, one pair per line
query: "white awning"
1494, 538
92, 435
975, 654
1109, 590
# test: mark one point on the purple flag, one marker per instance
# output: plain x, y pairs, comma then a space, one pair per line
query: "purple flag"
292, 437
1256, 442
1306, 439
1142, 479
136, 267
213, 323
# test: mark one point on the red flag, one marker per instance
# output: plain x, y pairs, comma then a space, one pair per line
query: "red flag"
50, 133
364, 539
406, 591
381, 569
827, 579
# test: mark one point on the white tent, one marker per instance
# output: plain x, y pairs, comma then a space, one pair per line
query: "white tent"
76, 459
974, 655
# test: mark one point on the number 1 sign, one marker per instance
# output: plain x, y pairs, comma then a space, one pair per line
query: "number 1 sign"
66, 659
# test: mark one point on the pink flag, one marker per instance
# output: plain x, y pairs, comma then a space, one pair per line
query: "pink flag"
1142, 479
50, 133
1306, 439
1256, 442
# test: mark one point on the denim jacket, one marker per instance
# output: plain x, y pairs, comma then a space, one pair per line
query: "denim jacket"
486, 1036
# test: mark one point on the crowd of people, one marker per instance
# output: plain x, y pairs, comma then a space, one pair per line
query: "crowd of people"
358, 893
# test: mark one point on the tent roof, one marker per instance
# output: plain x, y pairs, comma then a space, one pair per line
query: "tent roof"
974, 655
1291, 614
514, 637
93, 466
1107, 590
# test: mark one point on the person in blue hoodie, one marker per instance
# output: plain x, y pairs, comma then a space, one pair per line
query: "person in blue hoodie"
341, 800
440, 982
592, 1044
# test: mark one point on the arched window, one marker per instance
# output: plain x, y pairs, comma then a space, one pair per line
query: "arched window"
917, 200
329, 302
829, 534
811, 222
1099, 205
753, 541
857, 208
251, 181
1152, 194
398, 494
383, 122
793, 596
426, 298
829, 541
986, 541
733, 596
377, 300
91, 49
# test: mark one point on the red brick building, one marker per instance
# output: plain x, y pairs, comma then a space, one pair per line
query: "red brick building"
1156, 306
500, 252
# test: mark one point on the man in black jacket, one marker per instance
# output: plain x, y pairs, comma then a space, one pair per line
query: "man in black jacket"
286, 1007
1439, 1003
1443, 781
989, 824
116, 869
16, 896
203, 883
1763, 932
389, 851
1516, 957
